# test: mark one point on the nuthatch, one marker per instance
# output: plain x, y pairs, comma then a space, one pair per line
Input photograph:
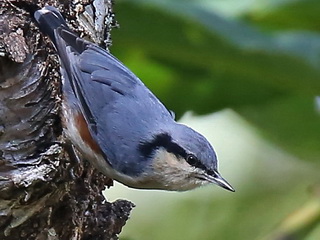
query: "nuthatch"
116, 123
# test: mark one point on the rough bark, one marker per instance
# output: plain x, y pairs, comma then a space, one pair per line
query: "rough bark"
46, 190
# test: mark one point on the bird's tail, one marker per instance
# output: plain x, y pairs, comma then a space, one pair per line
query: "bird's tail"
49, 19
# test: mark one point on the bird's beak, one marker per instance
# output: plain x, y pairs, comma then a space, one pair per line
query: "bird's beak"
220, 181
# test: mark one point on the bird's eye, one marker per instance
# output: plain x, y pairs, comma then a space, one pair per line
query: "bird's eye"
192, 160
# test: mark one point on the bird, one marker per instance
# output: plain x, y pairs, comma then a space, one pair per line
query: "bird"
118, 124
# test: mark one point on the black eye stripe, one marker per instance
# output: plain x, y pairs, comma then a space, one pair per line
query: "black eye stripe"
164, 140
161, 140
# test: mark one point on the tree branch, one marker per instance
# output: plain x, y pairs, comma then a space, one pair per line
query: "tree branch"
46, 192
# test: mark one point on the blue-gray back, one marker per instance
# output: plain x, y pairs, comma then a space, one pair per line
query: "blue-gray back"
120, 110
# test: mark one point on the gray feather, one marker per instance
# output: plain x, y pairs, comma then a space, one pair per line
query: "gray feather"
120, 111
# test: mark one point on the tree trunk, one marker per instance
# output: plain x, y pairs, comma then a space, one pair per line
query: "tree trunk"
46, 191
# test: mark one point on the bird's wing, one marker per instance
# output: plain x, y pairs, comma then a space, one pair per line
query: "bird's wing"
94, 66
99, 82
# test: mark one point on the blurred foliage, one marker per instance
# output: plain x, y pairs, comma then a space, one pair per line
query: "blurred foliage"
302, 14
192, 67
264, 63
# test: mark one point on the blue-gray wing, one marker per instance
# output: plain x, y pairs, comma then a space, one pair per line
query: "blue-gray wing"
108, 92
119, 110
89, 67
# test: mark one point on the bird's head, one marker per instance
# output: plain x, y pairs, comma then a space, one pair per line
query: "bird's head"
182, 159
